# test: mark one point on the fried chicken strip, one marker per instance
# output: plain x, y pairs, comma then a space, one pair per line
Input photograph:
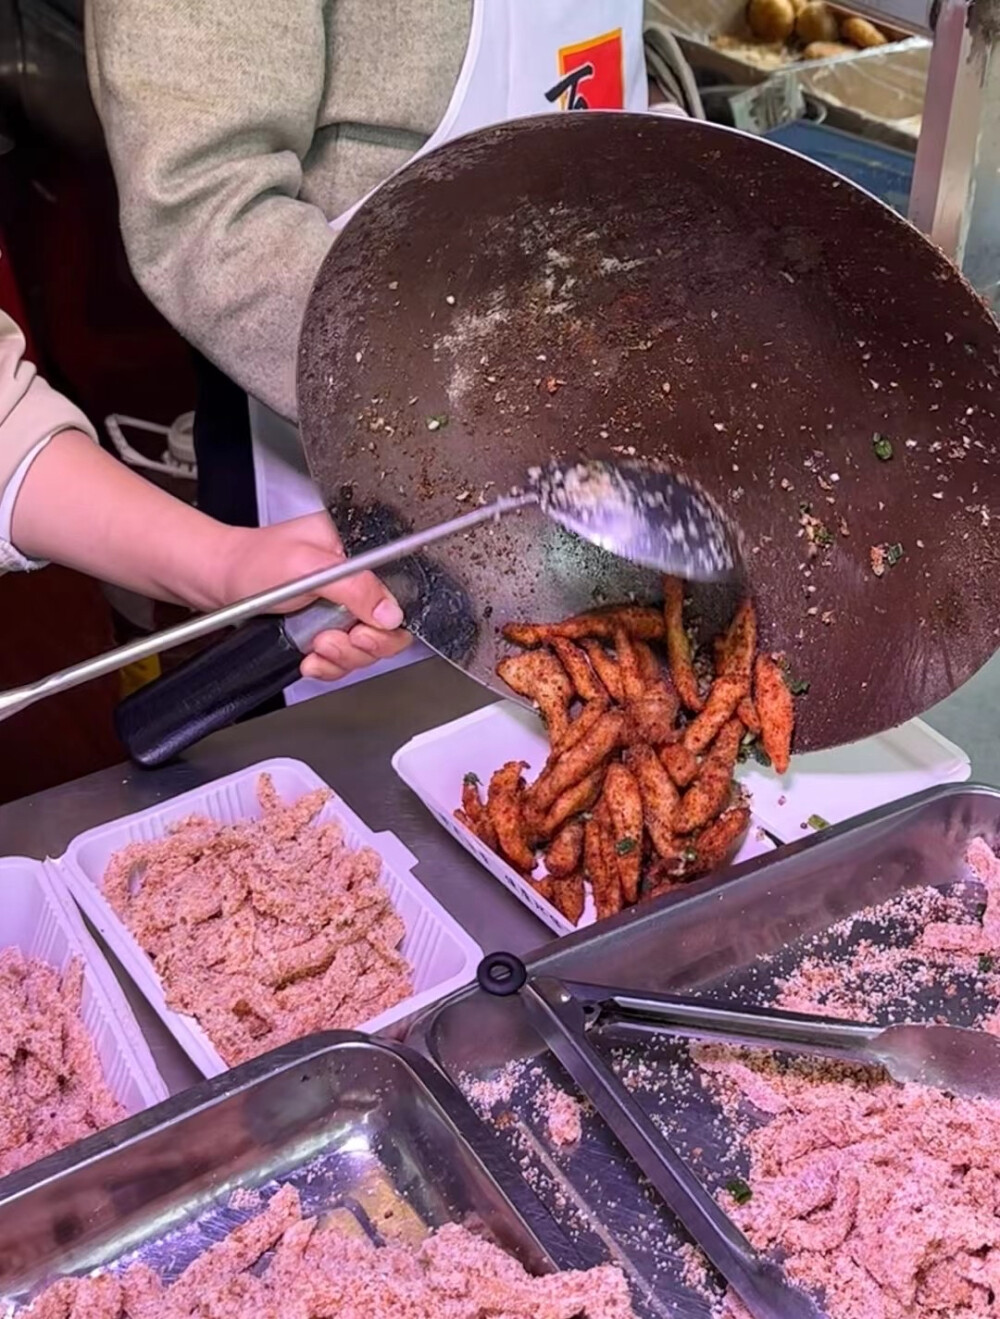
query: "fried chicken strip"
540, 677
720, 707
747, 714
652, 719
716, 844
504, 802
583, 722
640, 621
474, 814
739, 645
633, 686
775, 710
578, 762
606, 668
710, 792
678, 647
653, 676
575, 800
623, 800
601, 869
651, 706
680, 763
574, 660
565, 852
568, 897
659, 797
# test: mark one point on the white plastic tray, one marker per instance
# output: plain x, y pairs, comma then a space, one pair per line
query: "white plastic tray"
433, 764
37, 918
836, 785
442, 955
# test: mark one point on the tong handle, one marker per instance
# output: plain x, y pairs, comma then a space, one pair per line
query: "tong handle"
560, 1018
703, 1018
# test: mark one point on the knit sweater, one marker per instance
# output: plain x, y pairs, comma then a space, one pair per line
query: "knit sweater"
237, 128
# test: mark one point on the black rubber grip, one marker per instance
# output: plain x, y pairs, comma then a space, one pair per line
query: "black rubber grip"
208, 692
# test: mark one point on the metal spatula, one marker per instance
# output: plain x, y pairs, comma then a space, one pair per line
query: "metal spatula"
950, 1058
641, 511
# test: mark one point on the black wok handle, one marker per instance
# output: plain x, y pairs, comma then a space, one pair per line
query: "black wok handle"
221, 684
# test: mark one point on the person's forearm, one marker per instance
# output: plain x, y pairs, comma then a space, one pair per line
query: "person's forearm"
80, 507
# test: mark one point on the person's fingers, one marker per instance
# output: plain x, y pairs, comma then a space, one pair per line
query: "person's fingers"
335, 654
368, 600
337, 648
316, 667
379, 644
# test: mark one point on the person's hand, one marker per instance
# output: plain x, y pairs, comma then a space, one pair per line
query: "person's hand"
256, 559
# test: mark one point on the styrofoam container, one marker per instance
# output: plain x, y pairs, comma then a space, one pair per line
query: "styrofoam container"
850, 780
433, 765
442, 955
833, 785
40, 920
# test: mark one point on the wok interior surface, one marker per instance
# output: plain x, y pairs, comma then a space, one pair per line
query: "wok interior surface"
708, 941
359, 1127
607, 284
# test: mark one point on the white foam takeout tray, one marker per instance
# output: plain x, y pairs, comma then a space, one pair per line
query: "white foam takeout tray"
442, 955
837, 785
831, 785
38, 918
433, 764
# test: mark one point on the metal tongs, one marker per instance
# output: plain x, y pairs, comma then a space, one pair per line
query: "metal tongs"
563, 1012
951, 1058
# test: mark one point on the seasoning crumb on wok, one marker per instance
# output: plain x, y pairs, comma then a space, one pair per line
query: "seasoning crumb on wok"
885, 556
267, 930
53, 1089
637, 794
282, 1263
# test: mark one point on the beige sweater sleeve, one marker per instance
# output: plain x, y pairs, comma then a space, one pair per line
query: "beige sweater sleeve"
30, 413
207, 147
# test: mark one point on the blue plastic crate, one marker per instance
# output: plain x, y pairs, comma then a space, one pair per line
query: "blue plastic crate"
884, 171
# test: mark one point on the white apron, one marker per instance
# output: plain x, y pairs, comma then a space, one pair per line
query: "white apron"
524, 57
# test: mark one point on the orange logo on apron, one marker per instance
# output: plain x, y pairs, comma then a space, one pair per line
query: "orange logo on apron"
592, 75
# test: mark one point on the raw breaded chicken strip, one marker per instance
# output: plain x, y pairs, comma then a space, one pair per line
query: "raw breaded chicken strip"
266, 930
319, 1271
52, 1087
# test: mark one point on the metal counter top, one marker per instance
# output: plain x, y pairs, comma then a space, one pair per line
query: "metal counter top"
348, 738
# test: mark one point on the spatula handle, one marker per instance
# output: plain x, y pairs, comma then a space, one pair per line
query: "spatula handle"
373, 560
221, 684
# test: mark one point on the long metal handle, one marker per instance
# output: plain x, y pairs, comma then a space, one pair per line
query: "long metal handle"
19, 698
759, 1283
634, 1015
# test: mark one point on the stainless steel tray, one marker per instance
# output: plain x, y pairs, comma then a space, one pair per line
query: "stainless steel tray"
711, 936
358, 1125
